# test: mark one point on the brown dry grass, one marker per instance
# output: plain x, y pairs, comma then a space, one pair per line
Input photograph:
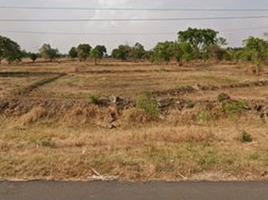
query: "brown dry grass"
34, 115
66, 140
153, 152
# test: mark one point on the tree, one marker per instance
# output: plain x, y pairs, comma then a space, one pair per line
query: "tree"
98, 53
256, 49
48, 53
164, 51
216, 52
83, 51
73, 53
187, 52
178, 53
9, 50
137, 52
122, 52
149, 56
33, 57
199, 39
221, 41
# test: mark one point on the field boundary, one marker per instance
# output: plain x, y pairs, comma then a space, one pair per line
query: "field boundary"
27, 90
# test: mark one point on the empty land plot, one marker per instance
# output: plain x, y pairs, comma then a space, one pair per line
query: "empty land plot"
128, 81
51, 129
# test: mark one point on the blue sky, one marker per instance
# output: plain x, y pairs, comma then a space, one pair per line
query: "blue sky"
32, 42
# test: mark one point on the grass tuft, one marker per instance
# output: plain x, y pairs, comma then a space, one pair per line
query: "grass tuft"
147, 101
246, 137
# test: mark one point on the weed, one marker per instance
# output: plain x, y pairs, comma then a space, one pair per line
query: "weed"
147, 101
246, 137
190, 104
237, 107
94, 99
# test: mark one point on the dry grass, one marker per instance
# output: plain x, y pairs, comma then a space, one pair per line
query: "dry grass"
154, 152
121, 79
66, 138
34, 115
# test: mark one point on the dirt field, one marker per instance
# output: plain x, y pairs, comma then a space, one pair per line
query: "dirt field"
211, 122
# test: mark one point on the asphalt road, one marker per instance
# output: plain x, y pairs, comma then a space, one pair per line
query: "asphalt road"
49, 190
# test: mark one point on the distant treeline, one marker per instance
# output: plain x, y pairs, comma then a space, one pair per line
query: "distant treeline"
192, 44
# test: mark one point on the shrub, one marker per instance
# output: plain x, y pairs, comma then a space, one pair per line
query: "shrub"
148, 102
236, 107
94, 99
246, 137
190, 104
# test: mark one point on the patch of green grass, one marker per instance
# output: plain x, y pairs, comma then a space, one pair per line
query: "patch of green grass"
236, 107
246, 137
190, 104
94, 99
148, 102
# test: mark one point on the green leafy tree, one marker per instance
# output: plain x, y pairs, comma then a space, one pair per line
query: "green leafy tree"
187, 52
149, 56
256, 50
83, 51
48, 53
216, 52
98, 53
164, 51
178, 53
33, 57
221, 41
9, 50
122, 52
73, 54
137, 52
199, 39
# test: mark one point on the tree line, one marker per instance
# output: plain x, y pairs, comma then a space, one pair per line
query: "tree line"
191, 44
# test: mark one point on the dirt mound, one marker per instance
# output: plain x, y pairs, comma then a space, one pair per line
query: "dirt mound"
123, 113
70, 111
191, 89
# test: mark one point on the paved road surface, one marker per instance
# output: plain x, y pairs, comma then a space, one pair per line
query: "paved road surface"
42, 190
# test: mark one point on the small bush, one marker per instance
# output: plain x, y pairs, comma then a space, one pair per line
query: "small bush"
236, 107
190, 104
246, 137
94, 99
147, 101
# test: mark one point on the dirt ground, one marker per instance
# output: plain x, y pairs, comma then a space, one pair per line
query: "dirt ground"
74, 120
